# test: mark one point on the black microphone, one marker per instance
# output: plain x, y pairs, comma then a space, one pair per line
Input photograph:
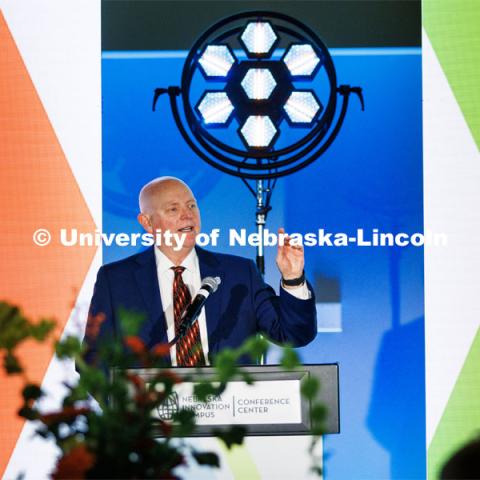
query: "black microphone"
209, 285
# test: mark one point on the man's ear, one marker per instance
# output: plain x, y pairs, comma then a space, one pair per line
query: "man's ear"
145, 222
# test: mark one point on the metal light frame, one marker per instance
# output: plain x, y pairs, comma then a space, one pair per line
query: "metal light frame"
263, 165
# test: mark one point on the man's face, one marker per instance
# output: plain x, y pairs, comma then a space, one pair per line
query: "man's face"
174, 208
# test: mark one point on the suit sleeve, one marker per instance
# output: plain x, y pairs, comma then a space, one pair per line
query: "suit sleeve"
100, 322
283, 318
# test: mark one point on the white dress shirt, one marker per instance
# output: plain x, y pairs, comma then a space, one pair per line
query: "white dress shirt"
192, 279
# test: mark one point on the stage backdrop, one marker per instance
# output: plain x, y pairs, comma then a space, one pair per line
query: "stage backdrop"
370, 301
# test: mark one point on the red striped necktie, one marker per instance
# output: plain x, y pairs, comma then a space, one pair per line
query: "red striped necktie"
189, 347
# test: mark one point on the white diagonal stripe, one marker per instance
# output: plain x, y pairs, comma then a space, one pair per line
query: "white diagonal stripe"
452, 200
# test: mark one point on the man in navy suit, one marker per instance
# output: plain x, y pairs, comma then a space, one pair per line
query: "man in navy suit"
244, 304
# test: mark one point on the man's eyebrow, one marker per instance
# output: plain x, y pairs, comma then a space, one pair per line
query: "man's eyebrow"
176, 202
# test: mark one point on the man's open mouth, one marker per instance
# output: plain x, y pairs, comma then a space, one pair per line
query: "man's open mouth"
186, 229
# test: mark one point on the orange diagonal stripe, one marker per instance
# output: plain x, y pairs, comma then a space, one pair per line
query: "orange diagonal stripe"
37, 189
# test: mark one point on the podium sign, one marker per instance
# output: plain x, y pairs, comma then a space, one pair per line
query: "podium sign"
273, 405
272, 401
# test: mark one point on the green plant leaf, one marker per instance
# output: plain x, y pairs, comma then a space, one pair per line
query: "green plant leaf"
69, 347
13, 326
255, 347
318, 412
317, 470
184, 416
41, 330
248, 378
207, 458
232, 436
204, 390
31, 392
130, 322
28, 413
310, 387
93, 380
11, 364
289, 359
77, 393
226, 365
184, 423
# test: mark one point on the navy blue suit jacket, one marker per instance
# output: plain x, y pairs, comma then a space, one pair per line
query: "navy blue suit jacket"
242, 306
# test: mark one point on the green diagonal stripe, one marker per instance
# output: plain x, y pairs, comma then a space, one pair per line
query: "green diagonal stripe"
240, 462
461, 419
453, 27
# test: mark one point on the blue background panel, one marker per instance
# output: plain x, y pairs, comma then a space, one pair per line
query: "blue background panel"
370, 178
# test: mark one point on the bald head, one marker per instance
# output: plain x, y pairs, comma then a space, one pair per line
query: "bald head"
167, 205
153, 191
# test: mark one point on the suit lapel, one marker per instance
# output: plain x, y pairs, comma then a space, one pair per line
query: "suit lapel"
154, 328
210, 267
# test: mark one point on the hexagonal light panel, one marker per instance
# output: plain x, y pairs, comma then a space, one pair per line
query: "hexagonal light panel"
258, 131
301, 60
258, 83
216, 61
258, 38
302, 107
215, 108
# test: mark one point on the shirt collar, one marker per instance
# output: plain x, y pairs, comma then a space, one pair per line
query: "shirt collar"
164, 263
